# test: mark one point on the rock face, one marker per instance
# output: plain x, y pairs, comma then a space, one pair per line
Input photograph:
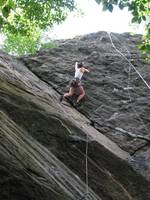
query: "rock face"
99, 151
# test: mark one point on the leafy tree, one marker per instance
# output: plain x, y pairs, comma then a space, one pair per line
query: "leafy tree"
17, 44
21, 20
140, 9
24, 16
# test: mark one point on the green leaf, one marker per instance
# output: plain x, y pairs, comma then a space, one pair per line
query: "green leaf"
121, 5
139, 20
134, 19
105, 6
110, 7
6, 11
1, 22
132, 6
141, 7
144, 18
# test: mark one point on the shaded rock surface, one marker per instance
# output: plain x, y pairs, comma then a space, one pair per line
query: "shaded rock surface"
118, 100
44, 144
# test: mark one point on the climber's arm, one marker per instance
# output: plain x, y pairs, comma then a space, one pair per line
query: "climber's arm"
76, 65
86, 70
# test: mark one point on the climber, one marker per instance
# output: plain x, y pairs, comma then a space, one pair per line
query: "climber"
76, 83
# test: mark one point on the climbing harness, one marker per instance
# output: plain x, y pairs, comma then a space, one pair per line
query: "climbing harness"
75, 82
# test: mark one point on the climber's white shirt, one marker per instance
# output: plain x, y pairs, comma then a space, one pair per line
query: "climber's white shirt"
78, 73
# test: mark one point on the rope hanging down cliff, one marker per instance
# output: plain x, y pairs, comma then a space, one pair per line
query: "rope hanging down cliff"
84, 197
129, 95
128, 86
128, 62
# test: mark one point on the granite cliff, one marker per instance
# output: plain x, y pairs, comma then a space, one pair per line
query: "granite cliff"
51, 150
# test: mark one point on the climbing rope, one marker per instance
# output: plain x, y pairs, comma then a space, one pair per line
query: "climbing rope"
128, 61
86, 163
84, 197
129, 79
129, 95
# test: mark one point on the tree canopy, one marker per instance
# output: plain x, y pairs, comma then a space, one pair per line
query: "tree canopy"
24, 20
25, 16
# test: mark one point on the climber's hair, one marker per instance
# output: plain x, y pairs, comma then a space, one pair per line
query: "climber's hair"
80, 65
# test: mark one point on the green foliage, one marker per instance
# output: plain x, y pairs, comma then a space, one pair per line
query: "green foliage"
20, 45
140, 9
20, 15
2, 3
145, 45
20, 20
